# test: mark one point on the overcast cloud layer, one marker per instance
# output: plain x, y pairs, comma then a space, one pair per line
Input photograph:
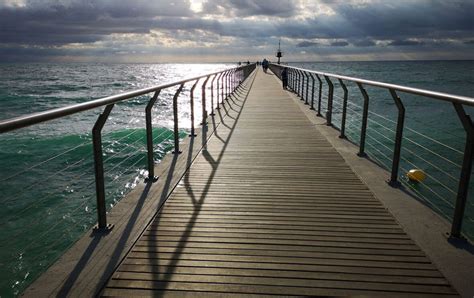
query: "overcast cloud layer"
234, 30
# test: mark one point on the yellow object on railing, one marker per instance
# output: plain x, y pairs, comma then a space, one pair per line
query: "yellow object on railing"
416, 175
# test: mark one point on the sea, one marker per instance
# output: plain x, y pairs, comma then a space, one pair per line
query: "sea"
47, 190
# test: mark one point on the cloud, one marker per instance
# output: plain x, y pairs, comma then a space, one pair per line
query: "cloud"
61, 22
339, 44
232, 27
306, 44
406, 43
364, 43
249, 8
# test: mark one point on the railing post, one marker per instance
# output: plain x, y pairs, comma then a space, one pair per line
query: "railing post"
212, 96
192, 134
297, 82
234, 79
398, 139
149, 138
312, 92
203, 101
365, 114
226, 84
307, 87
222, 86
290, 79
229, 85
302, 85
330, 101
217, 89
320, 93
344, 111
466, 169
99, 170
229, 75
176, 119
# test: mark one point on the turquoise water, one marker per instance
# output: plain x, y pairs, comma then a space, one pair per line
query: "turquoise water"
46, 171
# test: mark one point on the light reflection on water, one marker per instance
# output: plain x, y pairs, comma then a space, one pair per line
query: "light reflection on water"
48, 207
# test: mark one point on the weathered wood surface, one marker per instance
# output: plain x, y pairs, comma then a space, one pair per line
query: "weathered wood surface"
270, 208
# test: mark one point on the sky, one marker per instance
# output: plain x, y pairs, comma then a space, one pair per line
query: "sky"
144, 31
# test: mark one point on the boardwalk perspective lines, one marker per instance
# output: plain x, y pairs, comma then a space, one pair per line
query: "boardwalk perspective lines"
269, 207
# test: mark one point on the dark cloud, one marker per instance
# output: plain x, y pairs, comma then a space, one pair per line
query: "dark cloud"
339, 44
405, 43
364, 43
54, 23
469, 42
404, 19
247, 8
306, 44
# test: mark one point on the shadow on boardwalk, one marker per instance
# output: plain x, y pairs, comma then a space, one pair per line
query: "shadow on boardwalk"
234, 103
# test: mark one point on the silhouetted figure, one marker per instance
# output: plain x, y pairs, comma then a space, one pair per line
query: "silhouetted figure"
284, 77
265, 65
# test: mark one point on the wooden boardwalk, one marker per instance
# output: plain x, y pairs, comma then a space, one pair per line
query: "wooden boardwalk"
270, 208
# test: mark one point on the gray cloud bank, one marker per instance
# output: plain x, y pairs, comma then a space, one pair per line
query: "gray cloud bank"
42, 30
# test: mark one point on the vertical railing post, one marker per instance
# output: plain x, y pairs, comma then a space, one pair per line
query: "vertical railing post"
192, 134
149, 138
293, 80
312, 92
307, 88
466, 169
234, 80
302, 85
212, 96
99, 169
365, 114
330, 101
398, 139
176, 119
217, 89
226, 84
222, 86
229, 79
320, 93
231, 74
344, 110
203, 101
290, 79
297, 82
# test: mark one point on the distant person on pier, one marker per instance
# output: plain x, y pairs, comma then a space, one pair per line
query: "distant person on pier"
284, 77
265, 65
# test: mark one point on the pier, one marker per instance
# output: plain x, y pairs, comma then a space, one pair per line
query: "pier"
269, 207
263, 199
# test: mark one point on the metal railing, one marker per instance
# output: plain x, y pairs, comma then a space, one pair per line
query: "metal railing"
227, 82
299, 80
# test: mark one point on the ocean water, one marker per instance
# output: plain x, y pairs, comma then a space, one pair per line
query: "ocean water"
46, 171
47, 187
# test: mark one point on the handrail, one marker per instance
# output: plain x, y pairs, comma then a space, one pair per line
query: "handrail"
458, 102
225, 76
35, 118
417, 91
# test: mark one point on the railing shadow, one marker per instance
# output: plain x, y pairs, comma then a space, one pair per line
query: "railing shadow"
165, 276
115, 256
